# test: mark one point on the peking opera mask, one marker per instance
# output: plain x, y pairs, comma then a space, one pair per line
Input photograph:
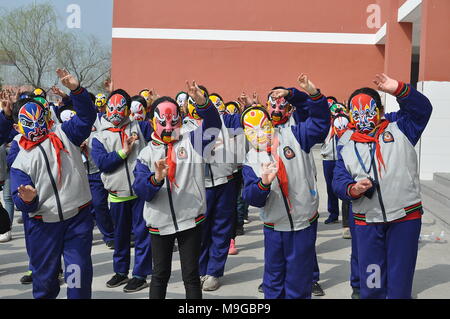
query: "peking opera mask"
117, 108
167, 121
32, 121
279, 110
258, 128
364, 113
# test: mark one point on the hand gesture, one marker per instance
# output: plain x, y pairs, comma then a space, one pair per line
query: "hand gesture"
385, 83
161, 169
152, 96
268, 172
27, 193
57, 91
127, 148
67, 79
108, 85
83, 146
279, 93
244, 99
306, 84
255, 98
6, 101
361, 187
195, 93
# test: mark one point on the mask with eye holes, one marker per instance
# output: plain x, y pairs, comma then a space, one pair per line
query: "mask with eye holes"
116, 109
364, 113
279, 110
167, 121
32, 121
258, 128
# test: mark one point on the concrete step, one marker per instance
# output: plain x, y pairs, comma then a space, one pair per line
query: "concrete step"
437, 209
442, 178
436, 191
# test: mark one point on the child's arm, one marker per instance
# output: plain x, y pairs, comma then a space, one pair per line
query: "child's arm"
205, 134
12, 154
22, 191
343, 183
255, 192
106, 162
147, 183
79, 127
146, 129
316, 127
6, 125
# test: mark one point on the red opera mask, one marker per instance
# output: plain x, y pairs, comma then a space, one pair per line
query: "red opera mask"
116, 109
364, 113
167, 121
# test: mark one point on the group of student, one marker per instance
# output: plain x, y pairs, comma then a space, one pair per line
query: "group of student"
154, 170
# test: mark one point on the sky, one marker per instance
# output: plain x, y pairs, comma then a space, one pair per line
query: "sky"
86, 16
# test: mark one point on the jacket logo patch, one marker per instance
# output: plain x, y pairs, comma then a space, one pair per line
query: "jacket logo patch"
387, 137
288, 153
181, 153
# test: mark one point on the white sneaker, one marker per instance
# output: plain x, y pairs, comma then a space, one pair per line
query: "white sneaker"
346, 233
5, 237
211, 283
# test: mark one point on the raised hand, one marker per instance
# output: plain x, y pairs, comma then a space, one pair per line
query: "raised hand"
67, 79
128, 146
279, 93
244, 99
153, 95
57, 91
161, 169
27, 193
268, 172
255, 98
196, 93
361, 187
6, 101
385, 83
306, 84
108, 85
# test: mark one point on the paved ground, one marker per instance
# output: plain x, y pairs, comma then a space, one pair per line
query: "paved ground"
243, 272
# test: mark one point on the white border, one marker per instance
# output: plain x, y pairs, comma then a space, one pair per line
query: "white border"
407, 10
250, 36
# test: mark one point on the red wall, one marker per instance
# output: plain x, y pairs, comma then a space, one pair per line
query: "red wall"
230, 67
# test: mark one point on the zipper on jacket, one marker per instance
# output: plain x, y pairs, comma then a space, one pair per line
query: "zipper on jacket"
288, 211
172, 209
208, 165
52, 180
378, 187
286, 204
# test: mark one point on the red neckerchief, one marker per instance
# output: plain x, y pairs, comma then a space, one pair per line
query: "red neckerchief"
120, 130
171, 160
281, 173
57, 145
282, 121
364, 138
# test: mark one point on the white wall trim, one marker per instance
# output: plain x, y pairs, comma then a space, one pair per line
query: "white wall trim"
409, 11
250, 36
380, 36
